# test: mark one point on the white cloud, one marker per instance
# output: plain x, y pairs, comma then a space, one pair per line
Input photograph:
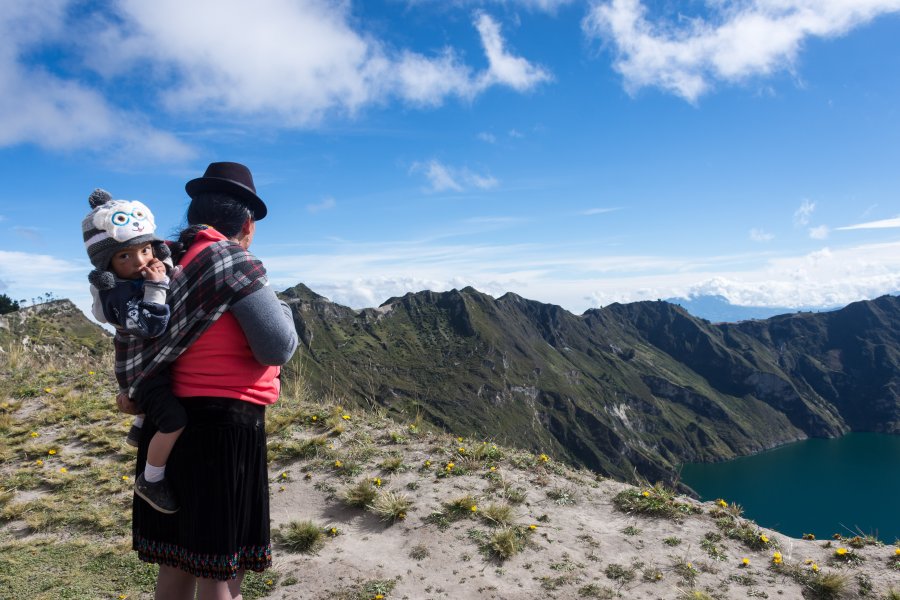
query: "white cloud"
803, 214
28, 275
490, 138
882, 224
326, 204
443, 178
577, 278
735, 41
42, 108
819, 233
516, 134
504, 68
306, 59
759, 235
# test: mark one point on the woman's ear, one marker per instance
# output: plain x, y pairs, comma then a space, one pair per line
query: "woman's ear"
246, 236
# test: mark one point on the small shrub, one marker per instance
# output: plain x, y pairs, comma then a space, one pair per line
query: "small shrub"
562, 497
631, 530
301, 536
672, 541
419, 551
827, 586
391, 506
360, 495
506, 542
392, 464
619, 573
498, 514
657, 501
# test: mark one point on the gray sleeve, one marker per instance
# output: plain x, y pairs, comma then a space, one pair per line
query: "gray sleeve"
269, 326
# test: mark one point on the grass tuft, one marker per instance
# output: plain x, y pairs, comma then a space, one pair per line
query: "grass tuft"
391, 506
304, 537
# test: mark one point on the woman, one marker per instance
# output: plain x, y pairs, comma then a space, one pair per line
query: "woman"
234, 335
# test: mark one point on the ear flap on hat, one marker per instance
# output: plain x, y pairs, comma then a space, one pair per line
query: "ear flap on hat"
102, 280
161, 250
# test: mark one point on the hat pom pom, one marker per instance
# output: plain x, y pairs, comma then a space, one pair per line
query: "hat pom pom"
102, 280
99, 197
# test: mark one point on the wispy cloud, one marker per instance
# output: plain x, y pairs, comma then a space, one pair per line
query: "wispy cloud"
505, 68
882, 224
443, 178
803, 214
598, 211
58, 112
32, 234
819, 233
759, 235
735, 41
326, 204
490, 138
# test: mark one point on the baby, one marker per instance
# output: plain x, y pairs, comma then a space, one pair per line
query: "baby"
129, 287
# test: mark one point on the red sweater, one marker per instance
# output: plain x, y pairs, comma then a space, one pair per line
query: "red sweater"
220, 363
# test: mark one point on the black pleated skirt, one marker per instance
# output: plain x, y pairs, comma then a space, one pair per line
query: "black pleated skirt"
218, 472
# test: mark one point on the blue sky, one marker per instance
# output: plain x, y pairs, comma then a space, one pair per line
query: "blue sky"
577, 153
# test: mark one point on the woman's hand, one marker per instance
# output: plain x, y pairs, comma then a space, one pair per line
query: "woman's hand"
126, 404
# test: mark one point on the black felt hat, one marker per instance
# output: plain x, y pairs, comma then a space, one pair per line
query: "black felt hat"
230, 178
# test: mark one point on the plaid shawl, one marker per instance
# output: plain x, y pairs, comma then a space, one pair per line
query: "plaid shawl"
220, 275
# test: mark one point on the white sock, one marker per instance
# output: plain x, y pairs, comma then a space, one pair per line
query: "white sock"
138, 421
153, 474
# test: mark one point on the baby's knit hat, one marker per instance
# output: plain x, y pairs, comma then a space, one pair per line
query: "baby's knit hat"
111, 226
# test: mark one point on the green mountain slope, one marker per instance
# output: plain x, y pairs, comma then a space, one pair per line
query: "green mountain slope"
635, 388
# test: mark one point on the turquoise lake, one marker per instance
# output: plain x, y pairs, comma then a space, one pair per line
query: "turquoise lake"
848, 485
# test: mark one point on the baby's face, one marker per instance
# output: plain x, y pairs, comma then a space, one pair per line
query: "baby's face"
128, 262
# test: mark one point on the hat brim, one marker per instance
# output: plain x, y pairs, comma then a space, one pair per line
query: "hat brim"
227, 186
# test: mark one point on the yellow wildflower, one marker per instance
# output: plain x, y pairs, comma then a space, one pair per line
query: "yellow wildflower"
51, 452
34, 434
461, 450
345, 417
776, 558
124, 477
897, 551
841, 551
338, 464
427, 463
269, 582
90, 372
378, 597
745, 561
377, 481
63, 470
532, 527
284, 475
39, 462
493, 469
459, 439
401, 516
721, 503
815, 568
474, 508
281, 488
450, 466
645, 494
333, 531
314, 418
48, 390
543, 458
764, 539
122, 596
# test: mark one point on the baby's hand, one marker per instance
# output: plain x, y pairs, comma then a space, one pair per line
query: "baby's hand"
154, 270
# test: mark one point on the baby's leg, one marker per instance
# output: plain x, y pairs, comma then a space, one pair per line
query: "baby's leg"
158, 454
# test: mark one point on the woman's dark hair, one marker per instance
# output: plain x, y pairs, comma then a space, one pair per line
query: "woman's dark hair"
213, 209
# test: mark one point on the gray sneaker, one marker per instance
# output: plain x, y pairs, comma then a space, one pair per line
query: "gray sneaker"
157, 494
134, 436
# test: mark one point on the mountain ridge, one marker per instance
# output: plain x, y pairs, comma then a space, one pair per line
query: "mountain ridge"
629, 388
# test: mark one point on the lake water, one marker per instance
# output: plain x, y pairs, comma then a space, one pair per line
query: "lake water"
848, 485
